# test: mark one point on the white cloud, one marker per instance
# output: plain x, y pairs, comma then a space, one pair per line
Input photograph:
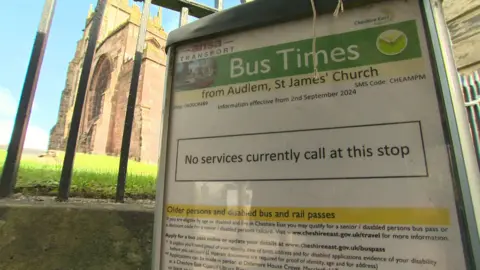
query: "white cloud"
8, 104
36, 137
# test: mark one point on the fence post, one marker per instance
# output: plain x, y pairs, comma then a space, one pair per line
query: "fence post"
219, 4
183, 17
17, 140
67, 169
131, 104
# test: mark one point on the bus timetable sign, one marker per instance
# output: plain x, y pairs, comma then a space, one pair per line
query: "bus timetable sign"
267, 165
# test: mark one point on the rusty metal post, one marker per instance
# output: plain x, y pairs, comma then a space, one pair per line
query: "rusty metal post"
183, 17
67, 169
15, 147
219, 4
131, 104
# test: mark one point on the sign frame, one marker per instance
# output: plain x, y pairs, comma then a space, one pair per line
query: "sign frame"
455, 124
456, 129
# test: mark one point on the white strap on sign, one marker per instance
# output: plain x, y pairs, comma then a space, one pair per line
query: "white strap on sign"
338, 9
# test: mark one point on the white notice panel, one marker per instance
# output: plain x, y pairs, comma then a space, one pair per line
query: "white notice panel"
270, 167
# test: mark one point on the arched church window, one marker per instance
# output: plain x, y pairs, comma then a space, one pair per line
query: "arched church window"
101, 80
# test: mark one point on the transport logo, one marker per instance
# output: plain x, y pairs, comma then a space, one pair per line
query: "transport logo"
207, 46
392, 42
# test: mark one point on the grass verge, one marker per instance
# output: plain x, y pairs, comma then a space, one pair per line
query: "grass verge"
94, 176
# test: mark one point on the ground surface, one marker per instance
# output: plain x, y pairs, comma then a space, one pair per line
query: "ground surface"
38, 233
93, 176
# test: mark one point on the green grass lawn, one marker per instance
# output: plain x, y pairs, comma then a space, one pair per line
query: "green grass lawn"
94, 176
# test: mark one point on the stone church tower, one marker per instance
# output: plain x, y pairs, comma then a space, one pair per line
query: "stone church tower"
101, 127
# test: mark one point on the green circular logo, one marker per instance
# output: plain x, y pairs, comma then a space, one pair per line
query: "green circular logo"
392, 42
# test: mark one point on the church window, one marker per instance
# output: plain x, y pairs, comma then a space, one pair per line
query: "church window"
101, 80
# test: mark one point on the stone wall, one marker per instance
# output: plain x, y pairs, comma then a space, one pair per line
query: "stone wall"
463, 20
112, 49
75, 236
102, 134
119, 106
151, 100
57, 138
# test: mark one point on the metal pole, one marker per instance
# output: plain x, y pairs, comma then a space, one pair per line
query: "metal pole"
67, 169
464, 163
157, 251
132, 99
183, 17
219, 5
15, 147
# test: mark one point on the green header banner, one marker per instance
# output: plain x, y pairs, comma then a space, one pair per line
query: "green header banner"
376, 45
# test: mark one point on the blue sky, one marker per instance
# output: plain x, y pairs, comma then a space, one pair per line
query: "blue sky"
18, 26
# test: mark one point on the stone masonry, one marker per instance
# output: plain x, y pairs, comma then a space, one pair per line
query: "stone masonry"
101, 127
463, 20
